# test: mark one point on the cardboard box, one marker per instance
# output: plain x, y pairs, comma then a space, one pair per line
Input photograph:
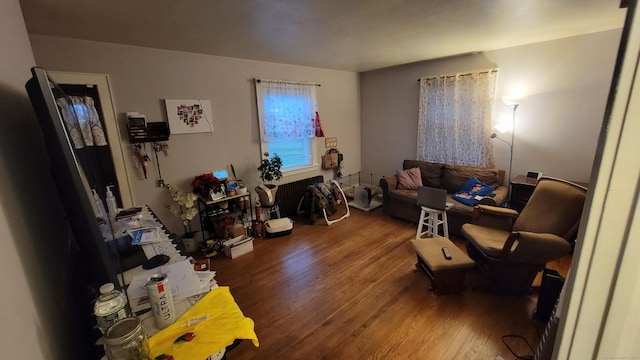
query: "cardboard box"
238, 230
238, 246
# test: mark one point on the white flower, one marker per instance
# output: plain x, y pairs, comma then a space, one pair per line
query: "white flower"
185, 209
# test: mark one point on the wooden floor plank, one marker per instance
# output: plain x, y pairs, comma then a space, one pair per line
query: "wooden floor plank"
351, 291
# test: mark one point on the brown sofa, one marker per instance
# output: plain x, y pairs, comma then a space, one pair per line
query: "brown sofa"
402, 203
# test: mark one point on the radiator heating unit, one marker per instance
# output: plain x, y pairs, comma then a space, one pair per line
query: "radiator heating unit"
290, 194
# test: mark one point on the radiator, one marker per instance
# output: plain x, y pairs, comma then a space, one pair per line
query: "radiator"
289, 194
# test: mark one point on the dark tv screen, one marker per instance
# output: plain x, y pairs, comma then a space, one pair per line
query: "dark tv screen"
90, 263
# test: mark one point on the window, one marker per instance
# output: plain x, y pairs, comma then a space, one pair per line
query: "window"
287, 114
295, 153
454, 119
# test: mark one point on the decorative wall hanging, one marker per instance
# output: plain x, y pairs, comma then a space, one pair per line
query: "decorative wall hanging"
189, 116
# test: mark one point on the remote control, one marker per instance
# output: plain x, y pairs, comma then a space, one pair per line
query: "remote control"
446, 253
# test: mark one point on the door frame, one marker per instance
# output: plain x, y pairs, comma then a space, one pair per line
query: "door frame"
599, 313
102, 83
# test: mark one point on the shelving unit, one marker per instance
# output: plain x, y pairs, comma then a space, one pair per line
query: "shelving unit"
236, 207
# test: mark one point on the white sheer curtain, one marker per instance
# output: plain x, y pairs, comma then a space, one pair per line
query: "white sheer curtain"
82, 121
286, 110
454, 119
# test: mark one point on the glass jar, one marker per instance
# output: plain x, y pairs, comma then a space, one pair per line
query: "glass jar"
125, 340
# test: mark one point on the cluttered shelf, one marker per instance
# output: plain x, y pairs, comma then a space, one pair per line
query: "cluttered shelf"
173, 300
218, 217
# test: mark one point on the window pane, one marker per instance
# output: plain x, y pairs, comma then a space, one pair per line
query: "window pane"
288, 115
293, 152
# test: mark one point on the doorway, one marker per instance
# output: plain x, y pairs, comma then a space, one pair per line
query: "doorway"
112, 169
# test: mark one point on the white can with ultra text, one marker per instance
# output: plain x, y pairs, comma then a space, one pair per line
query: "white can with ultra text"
161, 298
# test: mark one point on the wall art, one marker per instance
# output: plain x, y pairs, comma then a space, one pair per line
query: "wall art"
189, 116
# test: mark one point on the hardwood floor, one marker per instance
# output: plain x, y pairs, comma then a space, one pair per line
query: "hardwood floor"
350, 291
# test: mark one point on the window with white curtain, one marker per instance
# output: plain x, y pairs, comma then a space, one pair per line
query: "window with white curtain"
287, 112
455, 118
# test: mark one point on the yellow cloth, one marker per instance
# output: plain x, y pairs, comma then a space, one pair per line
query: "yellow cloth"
225, 323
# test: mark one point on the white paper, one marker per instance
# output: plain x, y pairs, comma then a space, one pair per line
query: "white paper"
182, 278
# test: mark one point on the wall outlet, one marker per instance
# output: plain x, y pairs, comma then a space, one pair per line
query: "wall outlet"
331, 142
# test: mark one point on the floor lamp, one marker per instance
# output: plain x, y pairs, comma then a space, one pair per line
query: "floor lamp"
514, 103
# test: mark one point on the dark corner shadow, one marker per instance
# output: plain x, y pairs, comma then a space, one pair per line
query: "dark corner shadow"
32, 208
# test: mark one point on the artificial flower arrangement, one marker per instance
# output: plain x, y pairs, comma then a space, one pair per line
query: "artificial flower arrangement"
183, 207
206, 185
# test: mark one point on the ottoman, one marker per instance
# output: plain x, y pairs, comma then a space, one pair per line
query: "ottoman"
448, 276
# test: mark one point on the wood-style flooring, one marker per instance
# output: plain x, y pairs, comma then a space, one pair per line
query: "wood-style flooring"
350, 291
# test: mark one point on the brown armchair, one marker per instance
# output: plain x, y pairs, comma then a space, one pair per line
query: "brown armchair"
512, 248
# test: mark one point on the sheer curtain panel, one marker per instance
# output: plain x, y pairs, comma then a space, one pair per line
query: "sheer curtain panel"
454, 118
82, 121
286, 110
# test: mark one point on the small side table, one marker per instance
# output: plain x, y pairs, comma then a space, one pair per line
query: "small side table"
521, 189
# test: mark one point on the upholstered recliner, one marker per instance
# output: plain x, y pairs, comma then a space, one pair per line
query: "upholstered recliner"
512, 248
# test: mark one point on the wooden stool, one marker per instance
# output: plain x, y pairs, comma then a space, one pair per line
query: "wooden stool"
430, 219
448, 276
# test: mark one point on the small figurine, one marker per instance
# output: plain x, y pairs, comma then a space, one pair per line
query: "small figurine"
142, 157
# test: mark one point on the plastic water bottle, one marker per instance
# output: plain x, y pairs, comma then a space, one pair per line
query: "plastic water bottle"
101, 212
112, 204
110, 307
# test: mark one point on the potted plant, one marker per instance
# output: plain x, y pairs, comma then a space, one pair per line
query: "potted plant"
206, 185
184, 208
269, 171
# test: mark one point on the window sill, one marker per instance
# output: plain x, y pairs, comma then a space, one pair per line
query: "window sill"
301, 170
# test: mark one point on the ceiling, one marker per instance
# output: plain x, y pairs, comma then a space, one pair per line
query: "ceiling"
351, 35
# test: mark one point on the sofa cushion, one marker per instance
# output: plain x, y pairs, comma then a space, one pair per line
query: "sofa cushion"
409, 179
431, 172
456, 176
472, 188
459, 208
410, 195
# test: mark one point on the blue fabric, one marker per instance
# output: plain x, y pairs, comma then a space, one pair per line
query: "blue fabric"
473, 187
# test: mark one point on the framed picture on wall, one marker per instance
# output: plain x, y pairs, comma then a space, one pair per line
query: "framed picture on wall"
189, 116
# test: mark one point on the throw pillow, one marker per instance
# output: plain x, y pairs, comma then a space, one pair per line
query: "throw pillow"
472, 188
409, 179
431, 173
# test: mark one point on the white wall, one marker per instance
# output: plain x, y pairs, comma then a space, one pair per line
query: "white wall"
566, 80
602, 291
142, 77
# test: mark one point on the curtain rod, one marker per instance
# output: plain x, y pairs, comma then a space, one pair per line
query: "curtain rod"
448, 76
288, 82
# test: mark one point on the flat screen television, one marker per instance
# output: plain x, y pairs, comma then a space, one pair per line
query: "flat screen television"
90, 263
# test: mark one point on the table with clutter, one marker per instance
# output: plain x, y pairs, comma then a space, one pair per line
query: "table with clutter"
208, 319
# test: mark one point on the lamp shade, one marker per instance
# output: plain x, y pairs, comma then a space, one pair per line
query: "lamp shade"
512, 100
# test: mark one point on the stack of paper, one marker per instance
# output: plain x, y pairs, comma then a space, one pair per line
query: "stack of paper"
184, 281
143, 230
145, 236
